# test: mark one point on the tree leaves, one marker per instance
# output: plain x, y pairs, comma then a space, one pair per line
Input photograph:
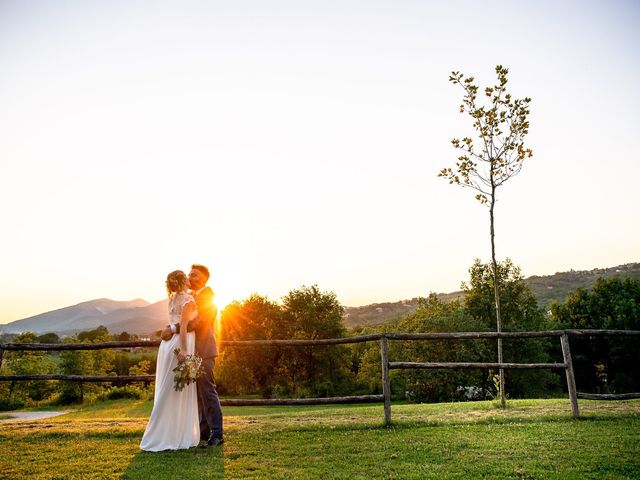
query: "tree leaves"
500, 129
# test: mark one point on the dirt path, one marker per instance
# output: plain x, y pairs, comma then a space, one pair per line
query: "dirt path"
31, 415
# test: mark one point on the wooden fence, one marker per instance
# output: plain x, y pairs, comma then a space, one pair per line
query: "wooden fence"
386, 365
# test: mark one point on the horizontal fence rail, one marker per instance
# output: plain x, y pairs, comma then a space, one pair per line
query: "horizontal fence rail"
431, 365
608, 396
301, 343
318, 342
472, 335
156, 343
302, 401
386, 365
83, 378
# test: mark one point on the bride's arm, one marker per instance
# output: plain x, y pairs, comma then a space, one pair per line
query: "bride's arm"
187, 314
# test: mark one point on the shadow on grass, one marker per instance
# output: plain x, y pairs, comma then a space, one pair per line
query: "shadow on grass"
408, 423
193, 463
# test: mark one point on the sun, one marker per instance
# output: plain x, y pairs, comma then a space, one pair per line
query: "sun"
229, 286
222, 299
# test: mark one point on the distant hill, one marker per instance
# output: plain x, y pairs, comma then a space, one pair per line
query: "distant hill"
142, 318
379, 313
545, 288
558, 286
134, 316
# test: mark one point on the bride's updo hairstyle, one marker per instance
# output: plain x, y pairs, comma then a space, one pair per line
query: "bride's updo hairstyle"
176, 282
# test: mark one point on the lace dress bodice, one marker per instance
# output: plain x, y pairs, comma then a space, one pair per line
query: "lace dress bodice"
176, 306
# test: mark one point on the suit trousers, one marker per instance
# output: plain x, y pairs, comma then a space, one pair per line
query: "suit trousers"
209, 409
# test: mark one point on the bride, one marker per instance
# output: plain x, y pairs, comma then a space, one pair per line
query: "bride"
174, 420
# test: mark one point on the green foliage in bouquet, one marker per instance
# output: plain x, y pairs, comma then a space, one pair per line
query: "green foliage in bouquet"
187, 370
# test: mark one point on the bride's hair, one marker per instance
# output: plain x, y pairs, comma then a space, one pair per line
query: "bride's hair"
176, 282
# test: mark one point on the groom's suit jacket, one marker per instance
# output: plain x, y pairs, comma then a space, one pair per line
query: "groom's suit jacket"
204, 324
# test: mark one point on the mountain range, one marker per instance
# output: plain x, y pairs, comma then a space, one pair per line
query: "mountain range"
134, 316
144, 318
545, 288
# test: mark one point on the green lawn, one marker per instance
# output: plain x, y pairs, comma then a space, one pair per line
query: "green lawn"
532, 439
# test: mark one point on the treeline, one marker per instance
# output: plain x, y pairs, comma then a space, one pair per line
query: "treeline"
16, 394
602, 365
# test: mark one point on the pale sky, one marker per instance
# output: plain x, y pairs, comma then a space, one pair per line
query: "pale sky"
287, 143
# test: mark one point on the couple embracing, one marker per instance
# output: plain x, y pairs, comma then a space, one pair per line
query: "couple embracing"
182, 419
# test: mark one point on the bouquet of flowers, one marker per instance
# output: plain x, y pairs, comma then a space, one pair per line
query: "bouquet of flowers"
187, 371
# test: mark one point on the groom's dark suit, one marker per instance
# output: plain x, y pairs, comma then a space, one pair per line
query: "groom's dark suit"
209, 409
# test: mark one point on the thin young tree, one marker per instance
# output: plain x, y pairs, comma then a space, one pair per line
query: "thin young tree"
493, 156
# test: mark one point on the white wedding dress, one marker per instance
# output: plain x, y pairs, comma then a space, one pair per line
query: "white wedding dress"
174, 420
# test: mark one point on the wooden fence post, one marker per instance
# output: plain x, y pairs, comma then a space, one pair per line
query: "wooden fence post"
571, 379
1, 352
503, 394
386, 384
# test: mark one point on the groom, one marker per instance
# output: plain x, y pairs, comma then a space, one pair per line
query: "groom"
209, 409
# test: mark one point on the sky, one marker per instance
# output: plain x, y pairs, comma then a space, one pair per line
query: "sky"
290, 143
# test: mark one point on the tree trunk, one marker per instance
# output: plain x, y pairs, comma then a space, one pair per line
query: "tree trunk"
496, 292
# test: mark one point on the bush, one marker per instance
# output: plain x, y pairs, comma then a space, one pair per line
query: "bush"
11, 404
69, 394
128, 391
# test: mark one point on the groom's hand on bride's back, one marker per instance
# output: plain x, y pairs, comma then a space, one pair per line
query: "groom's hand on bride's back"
166, 334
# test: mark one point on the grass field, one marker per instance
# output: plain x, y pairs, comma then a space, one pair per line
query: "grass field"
532, 439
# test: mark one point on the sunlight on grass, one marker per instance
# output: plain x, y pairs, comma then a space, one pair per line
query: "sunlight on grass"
530, 439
